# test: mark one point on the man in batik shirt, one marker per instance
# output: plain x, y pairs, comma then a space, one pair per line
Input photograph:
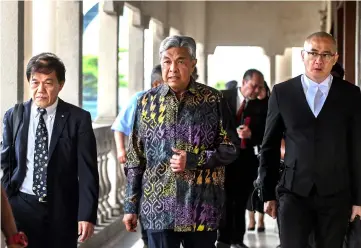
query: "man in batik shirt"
179, 147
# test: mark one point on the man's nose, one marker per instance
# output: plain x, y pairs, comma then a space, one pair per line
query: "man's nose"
41, 87
319, 59
174, 66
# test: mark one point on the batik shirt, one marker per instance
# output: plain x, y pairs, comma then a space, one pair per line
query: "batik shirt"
185, 201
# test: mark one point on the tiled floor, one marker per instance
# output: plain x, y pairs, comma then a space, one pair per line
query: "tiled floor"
269, 239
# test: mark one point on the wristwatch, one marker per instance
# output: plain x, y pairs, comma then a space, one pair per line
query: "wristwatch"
18, 239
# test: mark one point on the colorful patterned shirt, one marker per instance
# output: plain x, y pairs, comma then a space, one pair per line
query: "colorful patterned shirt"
197, 123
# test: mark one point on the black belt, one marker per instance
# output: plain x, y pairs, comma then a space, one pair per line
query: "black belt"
33, 197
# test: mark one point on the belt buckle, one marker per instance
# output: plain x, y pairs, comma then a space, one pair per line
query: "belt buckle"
42, 199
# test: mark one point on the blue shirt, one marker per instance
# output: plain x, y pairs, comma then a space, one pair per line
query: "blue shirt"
125, 119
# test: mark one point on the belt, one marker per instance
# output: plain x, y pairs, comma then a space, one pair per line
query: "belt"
33, 197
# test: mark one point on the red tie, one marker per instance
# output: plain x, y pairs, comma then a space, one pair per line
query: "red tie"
247, 121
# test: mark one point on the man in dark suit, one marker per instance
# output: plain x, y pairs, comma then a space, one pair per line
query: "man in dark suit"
52, 183
319, 117
250, 118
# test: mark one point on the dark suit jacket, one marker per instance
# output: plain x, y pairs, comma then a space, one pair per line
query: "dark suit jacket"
247, 162
72, 175
323, 152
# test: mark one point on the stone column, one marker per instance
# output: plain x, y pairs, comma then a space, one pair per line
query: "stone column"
173, 31
136, 52
28, 43
284, 66
358, 43
349, 36
69, 33
157, 37
44, 26
108, 63
11, 54
201, 67
272, 63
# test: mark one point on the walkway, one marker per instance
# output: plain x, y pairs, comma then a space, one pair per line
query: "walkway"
269, 239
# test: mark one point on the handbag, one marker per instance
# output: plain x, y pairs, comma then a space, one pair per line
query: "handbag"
353, 235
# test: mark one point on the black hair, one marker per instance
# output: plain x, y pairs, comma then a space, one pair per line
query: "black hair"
46, 63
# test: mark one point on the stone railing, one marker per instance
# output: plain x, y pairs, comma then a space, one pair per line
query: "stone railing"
111, 188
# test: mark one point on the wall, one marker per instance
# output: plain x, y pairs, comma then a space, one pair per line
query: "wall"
271, 25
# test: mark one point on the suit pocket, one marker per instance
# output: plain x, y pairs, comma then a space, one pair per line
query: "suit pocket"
288, 174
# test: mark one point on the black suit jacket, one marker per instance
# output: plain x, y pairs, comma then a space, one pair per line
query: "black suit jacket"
72, 175
323, 152
257, 111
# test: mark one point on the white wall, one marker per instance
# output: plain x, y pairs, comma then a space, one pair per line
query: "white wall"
271, 25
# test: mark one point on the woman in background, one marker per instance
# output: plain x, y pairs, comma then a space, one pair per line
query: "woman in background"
254, 204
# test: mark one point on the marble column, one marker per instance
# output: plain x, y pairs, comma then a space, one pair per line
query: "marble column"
284, 66
136, 53
44, 26
69, 33
108, 65
201, 66
11, 54
157, 35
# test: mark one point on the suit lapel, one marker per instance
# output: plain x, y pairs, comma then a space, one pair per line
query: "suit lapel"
61, 117
331, 97
23, 146
302, 96
233, 101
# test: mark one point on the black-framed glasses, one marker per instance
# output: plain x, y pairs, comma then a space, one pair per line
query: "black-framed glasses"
324, 56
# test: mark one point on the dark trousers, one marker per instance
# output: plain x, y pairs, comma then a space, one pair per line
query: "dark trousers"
238, 187
31, 218
171, 239
143, 232
327, 216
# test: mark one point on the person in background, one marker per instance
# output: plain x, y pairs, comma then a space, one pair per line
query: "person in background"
13, 238
231, 85
123, 126
338, 71
254, 203
248, 114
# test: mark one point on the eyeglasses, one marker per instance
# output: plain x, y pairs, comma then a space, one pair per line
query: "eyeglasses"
324, 56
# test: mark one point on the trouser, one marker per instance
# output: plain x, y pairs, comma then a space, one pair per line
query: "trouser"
326, 216
238, 187
171, 239
31, 217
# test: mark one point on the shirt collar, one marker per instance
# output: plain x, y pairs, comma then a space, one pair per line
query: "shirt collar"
192, 88
324, 86
50, 110
239, 94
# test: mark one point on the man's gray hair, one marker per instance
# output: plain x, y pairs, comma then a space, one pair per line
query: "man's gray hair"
322, 34
178, 41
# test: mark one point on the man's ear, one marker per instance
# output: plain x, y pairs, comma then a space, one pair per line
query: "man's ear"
303, 55
62, 84
194, 62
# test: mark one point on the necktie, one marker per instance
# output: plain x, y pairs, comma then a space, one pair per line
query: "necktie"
40, 157
317, 104
246, 120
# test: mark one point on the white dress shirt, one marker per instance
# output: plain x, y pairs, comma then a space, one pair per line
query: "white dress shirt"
310, 88
49, 117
